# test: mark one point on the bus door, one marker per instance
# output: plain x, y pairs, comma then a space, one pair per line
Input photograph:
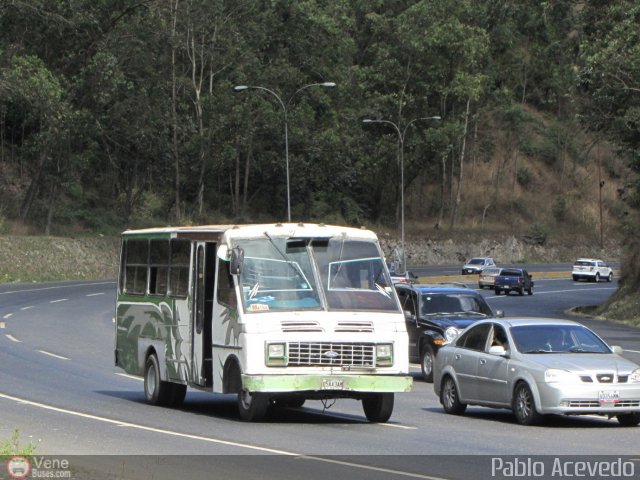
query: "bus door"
203, 284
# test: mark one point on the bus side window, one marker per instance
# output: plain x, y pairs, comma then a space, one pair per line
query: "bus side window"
179, 268
226, 291
137, 253
158, 267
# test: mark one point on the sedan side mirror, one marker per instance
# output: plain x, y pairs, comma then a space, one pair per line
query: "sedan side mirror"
499, 313
498, 350
617, 349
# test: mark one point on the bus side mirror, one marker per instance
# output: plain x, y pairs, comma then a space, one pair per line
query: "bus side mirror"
237, 259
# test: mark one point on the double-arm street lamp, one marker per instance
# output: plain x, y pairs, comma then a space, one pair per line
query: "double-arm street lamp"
401, 136
285, 108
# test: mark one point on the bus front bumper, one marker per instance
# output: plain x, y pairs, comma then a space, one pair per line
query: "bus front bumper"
327, 383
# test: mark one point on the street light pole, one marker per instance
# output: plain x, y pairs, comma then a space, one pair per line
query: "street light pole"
401, 137
285, 108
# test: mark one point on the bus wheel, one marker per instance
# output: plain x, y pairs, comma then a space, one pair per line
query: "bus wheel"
252, 407
156, 391
378, 407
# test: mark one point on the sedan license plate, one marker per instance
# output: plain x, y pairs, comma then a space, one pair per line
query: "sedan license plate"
608, 396
332, 384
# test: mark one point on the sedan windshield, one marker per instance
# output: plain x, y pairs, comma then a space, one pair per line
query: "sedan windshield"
314, 274
557, 339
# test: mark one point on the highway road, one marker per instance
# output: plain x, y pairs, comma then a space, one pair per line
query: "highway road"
58, 385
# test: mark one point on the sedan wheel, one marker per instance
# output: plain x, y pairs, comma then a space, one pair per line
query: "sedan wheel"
449, 397
610, 277
524, 407
597, 279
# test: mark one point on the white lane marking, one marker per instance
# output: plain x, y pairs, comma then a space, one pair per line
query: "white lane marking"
120, 423
57, 287
130, 376
3, 325
12, 338
368, 467
94, 294
27, 308
143, 427
7, 316
54, 355
394, 425
59, 300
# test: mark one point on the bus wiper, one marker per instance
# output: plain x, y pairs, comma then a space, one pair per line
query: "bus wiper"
282, 254
339, 260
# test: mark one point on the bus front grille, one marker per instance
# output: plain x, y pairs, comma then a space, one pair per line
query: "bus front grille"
325, 354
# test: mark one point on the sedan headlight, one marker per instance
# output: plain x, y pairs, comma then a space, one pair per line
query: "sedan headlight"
635, 376
555, 375
450, 334
384, 354
276, 354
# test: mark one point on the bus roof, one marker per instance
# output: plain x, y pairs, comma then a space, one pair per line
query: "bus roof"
288, 230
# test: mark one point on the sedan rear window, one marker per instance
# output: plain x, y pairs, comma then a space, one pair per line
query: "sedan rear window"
584, 263
511, 273
491, 271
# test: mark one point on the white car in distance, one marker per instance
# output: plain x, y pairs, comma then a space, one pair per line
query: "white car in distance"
477, 264
591, 269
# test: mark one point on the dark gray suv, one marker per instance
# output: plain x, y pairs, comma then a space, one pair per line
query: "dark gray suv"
435, 315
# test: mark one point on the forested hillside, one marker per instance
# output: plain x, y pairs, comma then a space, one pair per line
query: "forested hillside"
119, 113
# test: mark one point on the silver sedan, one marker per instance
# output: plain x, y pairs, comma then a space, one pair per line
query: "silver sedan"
537, 366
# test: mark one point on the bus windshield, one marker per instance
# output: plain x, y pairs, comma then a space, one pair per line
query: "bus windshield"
314, 274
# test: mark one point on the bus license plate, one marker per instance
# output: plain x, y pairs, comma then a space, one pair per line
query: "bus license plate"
332, 384
608, 397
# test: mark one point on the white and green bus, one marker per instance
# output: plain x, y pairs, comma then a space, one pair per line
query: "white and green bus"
277, 314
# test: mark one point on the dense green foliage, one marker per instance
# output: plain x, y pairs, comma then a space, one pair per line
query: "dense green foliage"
121, 113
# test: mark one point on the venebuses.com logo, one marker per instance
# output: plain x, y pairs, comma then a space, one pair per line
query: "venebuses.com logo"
18, 467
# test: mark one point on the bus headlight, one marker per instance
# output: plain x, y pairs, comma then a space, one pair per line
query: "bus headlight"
384, 354
276, 354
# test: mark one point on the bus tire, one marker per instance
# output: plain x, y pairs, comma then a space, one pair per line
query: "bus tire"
378, 407
156, 391
252, 406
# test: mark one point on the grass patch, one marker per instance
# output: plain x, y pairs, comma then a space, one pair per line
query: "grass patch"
41, 259
12, 447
